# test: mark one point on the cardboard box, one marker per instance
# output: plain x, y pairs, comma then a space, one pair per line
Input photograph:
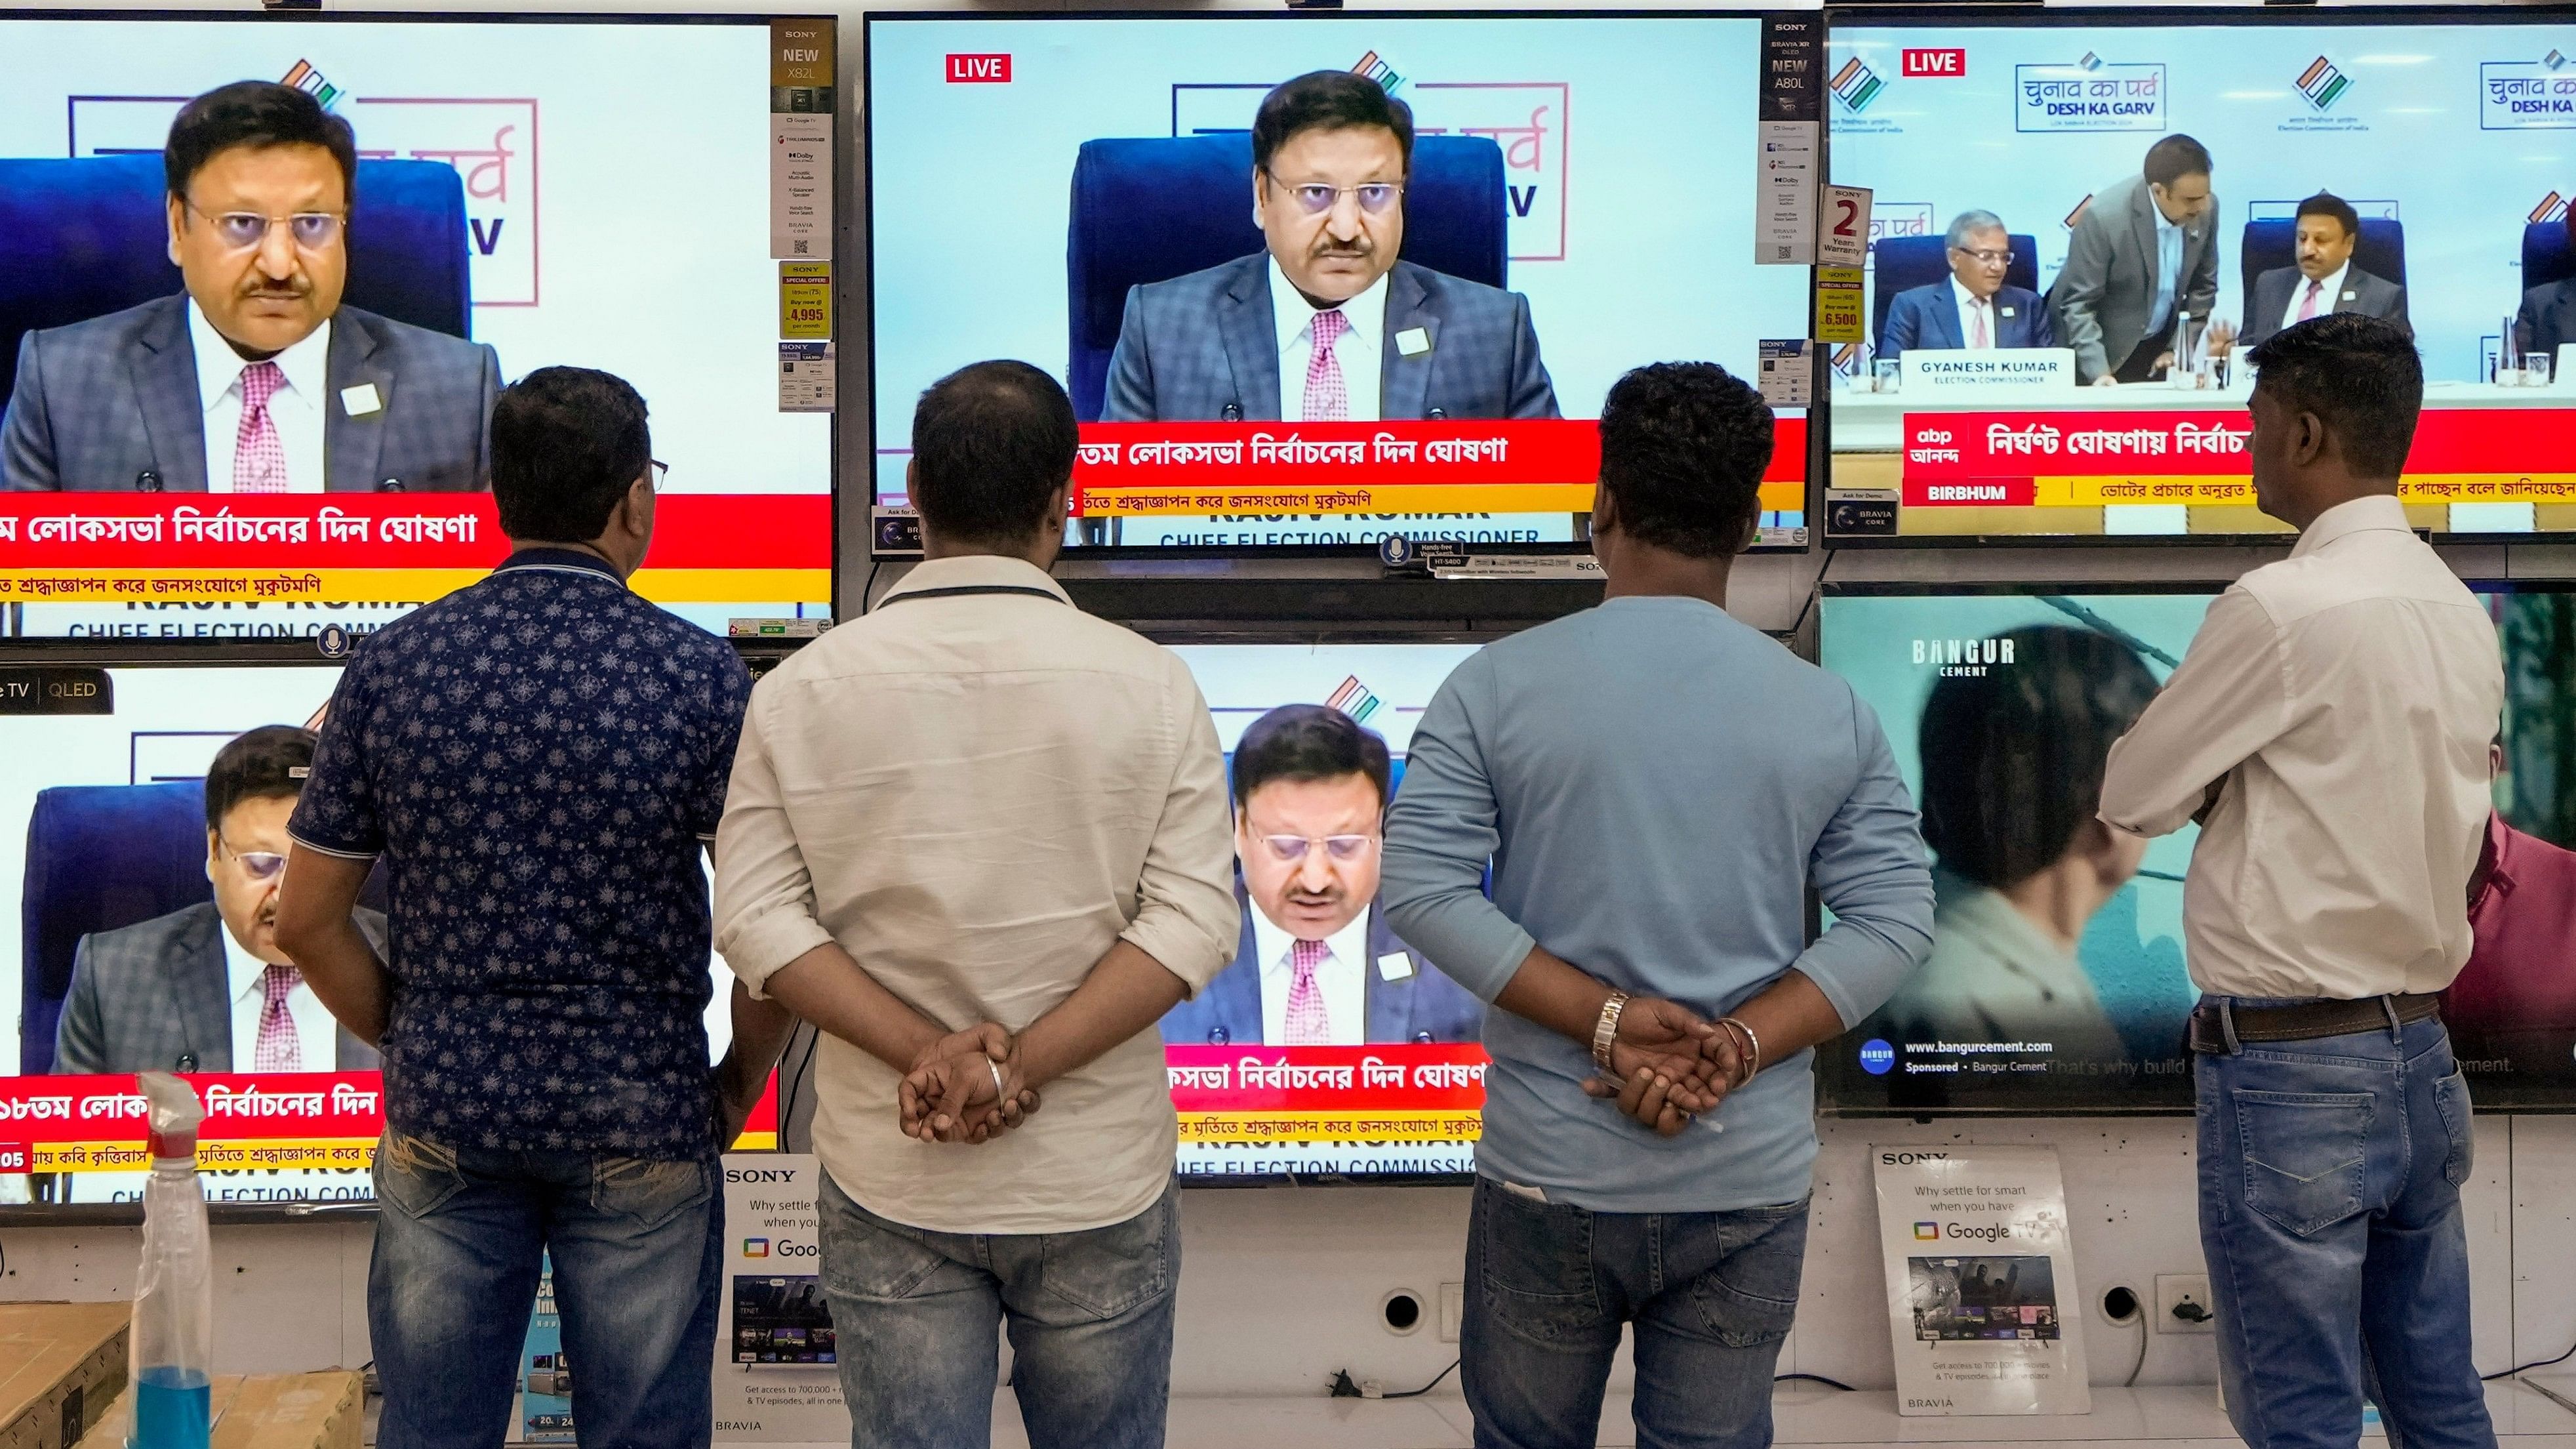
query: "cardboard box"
266, 1411
61, 1364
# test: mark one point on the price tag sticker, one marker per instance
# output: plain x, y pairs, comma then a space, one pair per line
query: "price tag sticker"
805, 299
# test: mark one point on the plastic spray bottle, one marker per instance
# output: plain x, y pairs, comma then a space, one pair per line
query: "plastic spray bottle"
174, 1305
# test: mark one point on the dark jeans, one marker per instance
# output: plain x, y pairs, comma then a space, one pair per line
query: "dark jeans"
2330, 1175
458, 1250
919, 1315
1550, 1284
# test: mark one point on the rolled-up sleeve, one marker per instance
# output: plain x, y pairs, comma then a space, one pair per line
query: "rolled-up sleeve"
1870, 867
1441, 833
2229, 699
764, 908
1186, 916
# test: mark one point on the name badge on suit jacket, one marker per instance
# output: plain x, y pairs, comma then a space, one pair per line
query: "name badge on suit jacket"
2007, 311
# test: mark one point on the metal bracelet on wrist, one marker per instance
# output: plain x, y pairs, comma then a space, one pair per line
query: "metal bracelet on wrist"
1752, 1047
1606, 1030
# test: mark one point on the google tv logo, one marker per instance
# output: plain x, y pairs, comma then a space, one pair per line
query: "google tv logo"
1876, 1057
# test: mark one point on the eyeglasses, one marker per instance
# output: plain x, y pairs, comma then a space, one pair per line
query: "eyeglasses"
257, 864
1291, 848
1992, 259
661, 471
243, 231
1316, 199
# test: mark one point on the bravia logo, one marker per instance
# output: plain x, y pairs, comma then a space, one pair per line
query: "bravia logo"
2322, 84
979, 70
1877, 1057
1856, 85
1927, 1232
755, 1247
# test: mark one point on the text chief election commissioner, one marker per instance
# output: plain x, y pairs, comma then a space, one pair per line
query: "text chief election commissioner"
1326, 325
255, 379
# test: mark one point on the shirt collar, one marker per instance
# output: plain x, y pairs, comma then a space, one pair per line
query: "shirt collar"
1349, 945
976, 571
2360, 515
1966, 298
2327, 293
244, 973
1293, 317
307, 364
559, 560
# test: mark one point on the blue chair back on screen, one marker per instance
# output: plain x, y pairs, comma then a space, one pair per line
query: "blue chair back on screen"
1906, 262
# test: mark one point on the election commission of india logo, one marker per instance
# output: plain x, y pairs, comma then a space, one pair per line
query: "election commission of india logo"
1354, 699
1856, 85
2322, 84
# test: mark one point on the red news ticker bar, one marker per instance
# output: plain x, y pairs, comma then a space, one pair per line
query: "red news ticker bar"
1460, 452
2000, 447
1387, 1077
107, 531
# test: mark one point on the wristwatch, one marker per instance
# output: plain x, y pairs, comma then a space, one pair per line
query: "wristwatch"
1606, 1030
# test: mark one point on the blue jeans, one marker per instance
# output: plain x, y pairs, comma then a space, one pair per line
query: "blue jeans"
2330, 1175
458, 1249
1550, 1284
919, 1313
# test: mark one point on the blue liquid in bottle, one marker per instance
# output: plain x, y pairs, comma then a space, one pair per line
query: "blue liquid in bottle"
170, 1410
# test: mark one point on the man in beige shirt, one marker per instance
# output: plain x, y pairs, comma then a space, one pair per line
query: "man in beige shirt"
2329, 730
980, 839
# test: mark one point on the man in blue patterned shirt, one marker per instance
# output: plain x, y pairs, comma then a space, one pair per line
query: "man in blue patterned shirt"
536, 760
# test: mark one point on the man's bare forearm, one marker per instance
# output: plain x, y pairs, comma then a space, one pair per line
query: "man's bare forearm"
760, 1031
1126, 993
1789, 1016
826, 987
1555, 994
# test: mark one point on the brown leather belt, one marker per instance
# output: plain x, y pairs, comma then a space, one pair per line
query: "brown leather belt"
2306, 1021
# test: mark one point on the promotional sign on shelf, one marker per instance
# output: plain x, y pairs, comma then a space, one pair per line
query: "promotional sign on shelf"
1981, 1293
777, 1379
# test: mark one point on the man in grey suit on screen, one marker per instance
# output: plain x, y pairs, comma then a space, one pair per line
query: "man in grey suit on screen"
2324, 277
1326, 324
205, 988
255, 379
2144, 255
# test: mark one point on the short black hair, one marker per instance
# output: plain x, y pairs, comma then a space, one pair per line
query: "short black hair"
991, 442
257, 114
2326, 203
1301, 742
1328, 100
2176, 157
2359, 374
2013, 757
1683, 446
567, 442
268, 763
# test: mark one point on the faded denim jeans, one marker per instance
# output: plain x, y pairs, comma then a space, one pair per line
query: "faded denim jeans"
2330, 1175
919, 1315
1549, 1286
459, 1244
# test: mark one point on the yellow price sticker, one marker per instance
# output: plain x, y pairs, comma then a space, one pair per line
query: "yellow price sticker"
1838, 305
804, 299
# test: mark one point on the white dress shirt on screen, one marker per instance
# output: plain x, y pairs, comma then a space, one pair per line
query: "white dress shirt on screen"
2347, 696
976, 796
297, 409
1976, 317
1361, 349
2327, 291
1342, 976
317, 1034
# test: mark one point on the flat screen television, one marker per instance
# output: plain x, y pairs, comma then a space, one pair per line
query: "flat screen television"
630, 193
1078, 192
2000, 702
2409, 163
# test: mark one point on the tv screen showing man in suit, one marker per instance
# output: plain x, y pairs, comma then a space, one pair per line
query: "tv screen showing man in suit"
2324, 277
1974, 310
1329, 323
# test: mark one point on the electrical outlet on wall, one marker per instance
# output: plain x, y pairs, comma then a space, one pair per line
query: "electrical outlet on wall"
1453, 1310
2183, 1304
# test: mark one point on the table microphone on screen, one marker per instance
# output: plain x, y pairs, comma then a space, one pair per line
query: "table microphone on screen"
1233, 413
147, 481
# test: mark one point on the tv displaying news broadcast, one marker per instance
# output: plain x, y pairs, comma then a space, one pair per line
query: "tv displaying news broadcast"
595, 191
2057, 980
2078, 230
142, 932
1388, 1079
1079, 193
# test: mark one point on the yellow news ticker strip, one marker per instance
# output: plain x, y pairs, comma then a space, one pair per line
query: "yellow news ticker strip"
1375, 498
2205, 492
343, 1153
1458, 1126
380, 586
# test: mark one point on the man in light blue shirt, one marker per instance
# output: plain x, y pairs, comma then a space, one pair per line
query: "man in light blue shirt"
2144, 250
1655, 785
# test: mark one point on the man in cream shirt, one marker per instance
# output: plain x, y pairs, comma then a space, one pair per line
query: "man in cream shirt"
2329, 729
980, 840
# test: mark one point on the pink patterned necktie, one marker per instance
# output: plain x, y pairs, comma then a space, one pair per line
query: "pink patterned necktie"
1328, 398
259, 458
1982, 340
1308, 1023
2308, 303
278, 1050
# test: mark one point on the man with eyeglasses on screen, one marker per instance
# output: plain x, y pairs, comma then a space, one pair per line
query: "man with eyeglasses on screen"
205, 988
255, 379
1326, 324
1974, 310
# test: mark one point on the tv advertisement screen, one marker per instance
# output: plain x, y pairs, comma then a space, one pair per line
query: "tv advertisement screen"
273, 428
1079, 193
2057, 340
2058, 979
